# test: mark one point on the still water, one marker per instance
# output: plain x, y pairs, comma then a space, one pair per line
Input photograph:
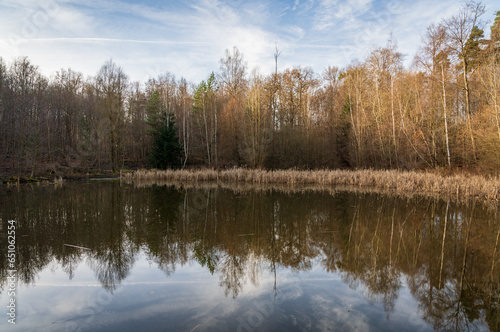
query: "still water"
105, 256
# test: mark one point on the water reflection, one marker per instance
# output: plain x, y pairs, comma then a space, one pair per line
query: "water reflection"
448, 256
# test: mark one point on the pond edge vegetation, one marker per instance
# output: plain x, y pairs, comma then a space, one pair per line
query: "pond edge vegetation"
405, 183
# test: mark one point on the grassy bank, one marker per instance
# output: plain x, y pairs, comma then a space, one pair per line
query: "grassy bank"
398, 182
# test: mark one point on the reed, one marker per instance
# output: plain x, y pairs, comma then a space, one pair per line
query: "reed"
58, 182
399, 182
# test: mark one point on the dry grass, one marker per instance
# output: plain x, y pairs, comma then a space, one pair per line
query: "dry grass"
398, 182
58, 182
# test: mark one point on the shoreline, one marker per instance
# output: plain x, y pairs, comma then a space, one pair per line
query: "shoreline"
405, 183
13, 180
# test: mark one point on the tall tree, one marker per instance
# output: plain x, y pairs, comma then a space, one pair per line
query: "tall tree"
112, 84
137, 142
384, 64
205, 107
25, 114
433, 59
66, 98
257, 132
166, 152
154, 110
3, 127
186, 100
233, 87
489, 73
460, 29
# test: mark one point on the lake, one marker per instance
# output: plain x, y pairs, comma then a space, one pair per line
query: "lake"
110, 256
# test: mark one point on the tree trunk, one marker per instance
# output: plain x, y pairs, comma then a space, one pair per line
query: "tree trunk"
445, 119
394, 122
354, 130
467, 107
207, 140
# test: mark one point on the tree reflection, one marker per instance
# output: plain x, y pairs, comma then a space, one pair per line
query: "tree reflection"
447, 254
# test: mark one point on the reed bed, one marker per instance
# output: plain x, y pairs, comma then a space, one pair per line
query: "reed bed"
399, 182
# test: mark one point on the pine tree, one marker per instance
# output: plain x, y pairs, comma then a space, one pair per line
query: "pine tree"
495, 36
154, 110
495, 28
167, 149
473, 48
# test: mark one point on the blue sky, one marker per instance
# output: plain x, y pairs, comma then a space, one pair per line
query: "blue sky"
188, 38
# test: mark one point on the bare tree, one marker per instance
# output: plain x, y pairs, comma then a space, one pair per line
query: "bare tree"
233, 88
459, 29
433, 57
112, 85
232, 73
185, 106
383, 64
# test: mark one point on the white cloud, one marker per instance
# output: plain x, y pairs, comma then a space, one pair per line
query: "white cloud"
334, 12
294, 31
189, 38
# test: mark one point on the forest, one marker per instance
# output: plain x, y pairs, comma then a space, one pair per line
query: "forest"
441, 112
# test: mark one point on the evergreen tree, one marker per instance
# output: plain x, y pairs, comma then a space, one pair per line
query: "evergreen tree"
154, 110
473, 48
167, 149
495, 36
495, 28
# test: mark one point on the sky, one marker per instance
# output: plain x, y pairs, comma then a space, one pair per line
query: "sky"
189, 37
